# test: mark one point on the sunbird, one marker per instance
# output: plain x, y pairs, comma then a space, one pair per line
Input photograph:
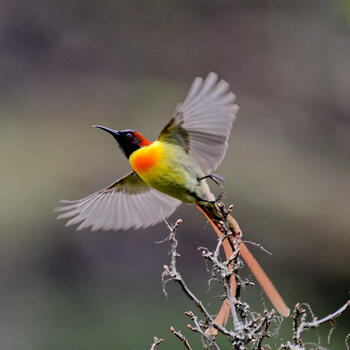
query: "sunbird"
172, 170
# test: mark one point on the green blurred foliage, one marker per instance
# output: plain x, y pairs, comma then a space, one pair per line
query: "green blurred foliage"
66, 65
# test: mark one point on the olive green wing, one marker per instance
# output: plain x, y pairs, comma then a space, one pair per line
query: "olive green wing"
202, 123
129, 202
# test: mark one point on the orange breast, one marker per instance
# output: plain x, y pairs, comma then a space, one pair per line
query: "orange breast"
145, 158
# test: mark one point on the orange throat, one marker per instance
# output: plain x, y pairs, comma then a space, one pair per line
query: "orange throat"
144, 159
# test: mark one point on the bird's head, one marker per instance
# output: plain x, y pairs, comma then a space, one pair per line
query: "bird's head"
128, 140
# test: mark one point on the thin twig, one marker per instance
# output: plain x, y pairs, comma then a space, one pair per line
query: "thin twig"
300, 325
259, 246
316, 323
174, 275
298, 311
171, 273
347, 342
156, 342
183, 339
261, 330
330, 317
198, 328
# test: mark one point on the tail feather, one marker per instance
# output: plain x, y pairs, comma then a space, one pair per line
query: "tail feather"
259, 273
264, 281
213, 216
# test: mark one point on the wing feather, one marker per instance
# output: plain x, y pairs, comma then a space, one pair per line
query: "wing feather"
127, 203
196, 85
202, 123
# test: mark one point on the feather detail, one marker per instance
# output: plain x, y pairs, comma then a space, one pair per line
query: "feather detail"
128, 202
202, 123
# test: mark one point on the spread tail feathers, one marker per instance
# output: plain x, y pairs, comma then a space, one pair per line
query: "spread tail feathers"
212, 214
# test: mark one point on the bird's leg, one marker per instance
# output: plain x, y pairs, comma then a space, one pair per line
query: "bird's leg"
214, 177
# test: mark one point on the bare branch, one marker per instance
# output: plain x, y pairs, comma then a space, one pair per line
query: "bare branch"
170, 272
330, 317
347, 342
156, 342
300, 325
183, 339
249, 328
316, 323
259, 246
198, 328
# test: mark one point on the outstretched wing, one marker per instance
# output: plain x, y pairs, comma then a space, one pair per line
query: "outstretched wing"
202, 123
128, 202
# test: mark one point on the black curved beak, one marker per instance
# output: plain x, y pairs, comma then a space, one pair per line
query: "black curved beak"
115, 133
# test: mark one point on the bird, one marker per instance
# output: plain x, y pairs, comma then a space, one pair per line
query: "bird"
173, 169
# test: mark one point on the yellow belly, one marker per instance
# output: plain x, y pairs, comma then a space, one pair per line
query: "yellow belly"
169, 169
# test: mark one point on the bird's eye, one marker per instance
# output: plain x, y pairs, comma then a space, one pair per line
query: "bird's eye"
129, 135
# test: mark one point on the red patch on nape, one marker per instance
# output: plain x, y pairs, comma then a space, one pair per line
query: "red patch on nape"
143, 140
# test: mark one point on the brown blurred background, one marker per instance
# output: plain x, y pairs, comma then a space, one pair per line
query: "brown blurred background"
65, 65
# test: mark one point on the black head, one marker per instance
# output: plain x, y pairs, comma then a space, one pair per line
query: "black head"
128, 140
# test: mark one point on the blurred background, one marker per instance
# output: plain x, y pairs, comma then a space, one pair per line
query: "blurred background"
65, 65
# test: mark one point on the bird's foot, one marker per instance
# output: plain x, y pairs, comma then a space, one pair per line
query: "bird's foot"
214, 177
